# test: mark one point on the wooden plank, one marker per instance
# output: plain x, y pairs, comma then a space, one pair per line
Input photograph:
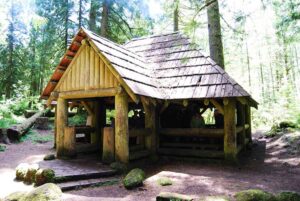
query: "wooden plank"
92, 68
241, 123
97, 72
134, 155
121, 128
192, 132
108, 154
139, 132
191, 153
102, 73
107, 92
87, 68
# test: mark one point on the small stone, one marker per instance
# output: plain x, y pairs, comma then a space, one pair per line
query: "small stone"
167, 196
215, 198
30, 174
16, 196
254, 195
46, 192
49, 157
21, 171
134, 178
44, 176
164, 181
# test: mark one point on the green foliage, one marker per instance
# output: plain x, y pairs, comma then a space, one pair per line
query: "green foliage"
287, 196
36, 137
2, 148
78, 119
254, 195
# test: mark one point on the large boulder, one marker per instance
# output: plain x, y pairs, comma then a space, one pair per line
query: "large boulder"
46, 192
134, 178
288, 196
16, 196
30, 174
43, 176
254, 195
21, 171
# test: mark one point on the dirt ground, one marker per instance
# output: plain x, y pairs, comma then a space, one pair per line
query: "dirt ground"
268, 166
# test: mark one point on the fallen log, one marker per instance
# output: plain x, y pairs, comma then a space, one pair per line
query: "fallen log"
16, 131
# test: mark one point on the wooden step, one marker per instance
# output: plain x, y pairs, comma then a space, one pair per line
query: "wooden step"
74, 185
84, 176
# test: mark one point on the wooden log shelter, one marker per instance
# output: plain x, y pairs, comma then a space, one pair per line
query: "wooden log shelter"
163, 80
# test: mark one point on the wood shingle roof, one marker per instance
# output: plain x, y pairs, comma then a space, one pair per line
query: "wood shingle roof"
165, 67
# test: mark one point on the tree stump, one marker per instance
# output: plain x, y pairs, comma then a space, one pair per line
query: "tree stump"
42, 123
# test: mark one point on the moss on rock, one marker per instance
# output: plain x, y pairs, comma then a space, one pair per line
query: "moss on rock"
288, 196
254, 195
164, 181
49, 157
16, 196
30, 174
43, 176
21, 171
46, 192
167, 196
134, 178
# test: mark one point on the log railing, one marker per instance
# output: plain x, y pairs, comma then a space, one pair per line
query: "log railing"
139, 150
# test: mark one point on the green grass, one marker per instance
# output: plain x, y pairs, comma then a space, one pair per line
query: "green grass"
2, 148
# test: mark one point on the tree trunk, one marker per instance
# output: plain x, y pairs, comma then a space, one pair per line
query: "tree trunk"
176, 15
15, 132
93, 15
104, 19
248, 66
80, 14
214, 32
66, 23
261, 76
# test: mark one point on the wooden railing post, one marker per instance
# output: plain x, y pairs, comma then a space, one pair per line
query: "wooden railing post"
70, 142
241, 122
230, 142
150, 142
121, 128
248, 121
62, 120
108, 154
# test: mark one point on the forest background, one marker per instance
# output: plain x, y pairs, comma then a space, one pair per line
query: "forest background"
260, 44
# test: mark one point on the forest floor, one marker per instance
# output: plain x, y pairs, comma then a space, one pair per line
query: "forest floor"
271, 165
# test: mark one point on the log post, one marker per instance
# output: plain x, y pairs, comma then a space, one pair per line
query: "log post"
121, 128
55, 126
70, 142
108, 154
230, 142
62, 120
241, 122
95, 136
248, 121
150, 141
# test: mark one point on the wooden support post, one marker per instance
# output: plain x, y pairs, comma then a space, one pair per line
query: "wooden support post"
230, 142
241, 122
70, 142
55, 126
248, 121
108, 154
150, 123
121, 128
62, 120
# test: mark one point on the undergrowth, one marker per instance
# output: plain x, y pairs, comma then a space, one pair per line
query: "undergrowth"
36, 137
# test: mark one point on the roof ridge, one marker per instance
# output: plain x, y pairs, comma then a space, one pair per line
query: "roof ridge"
151, 36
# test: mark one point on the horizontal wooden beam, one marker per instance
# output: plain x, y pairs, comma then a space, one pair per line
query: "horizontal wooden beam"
138, 132
90, 93
134, 155
191, 153
192, 132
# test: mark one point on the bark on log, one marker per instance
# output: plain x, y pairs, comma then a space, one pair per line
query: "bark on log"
16, 131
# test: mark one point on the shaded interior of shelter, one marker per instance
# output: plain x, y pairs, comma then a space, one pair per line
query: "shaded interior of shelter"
175, 135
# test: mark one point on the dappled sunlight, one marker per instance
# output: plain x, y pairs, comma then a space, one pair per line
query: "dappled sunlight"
9, 185
34, 158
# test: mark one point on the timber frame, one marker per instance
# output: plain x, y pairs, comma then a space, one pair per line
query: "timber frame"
147, 73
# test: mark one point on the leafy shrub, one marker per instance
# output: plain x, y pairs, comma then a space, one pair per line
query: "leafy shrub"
19, 107
78, 119
2, 148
